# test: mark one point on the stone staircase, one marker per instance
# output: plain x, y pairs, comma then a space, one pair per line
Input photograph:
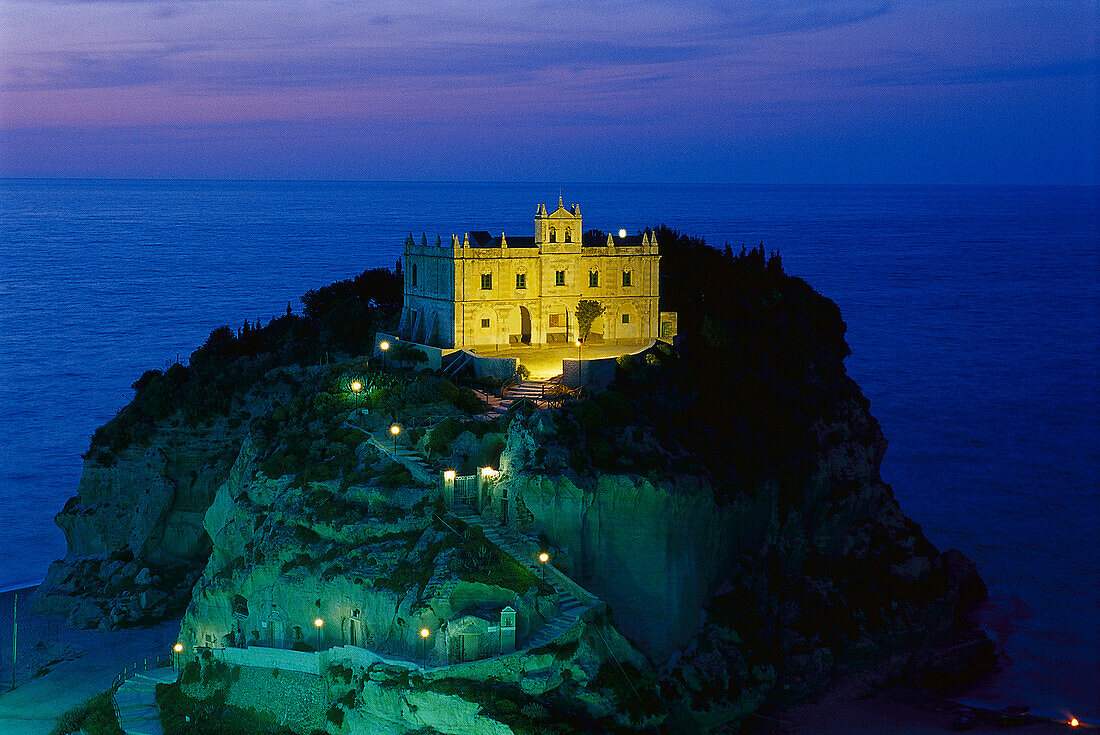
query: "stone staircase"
520, 547
525, 551
412, 458
136, 701
528, 389
443, 582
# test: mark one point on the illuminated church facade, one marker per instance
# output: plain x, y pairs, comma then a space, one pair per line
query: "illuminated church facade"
493, 292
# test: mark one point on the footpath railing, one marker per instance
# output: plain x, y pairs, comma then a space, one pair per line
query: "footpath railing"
143, 664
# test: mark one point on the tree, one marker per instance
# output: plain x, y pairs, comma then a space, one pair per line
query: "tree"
406, 354
588, 311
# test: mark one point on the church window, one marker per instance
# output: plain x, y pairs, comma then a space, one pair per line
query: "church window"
412, 274
521, 280
553, 234
484, 323
626, 318
593, 279
486, 281
626, 279
559, 278
568, 235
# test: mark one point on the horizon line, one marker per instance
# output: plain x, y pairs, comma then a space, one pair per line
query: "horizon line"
489, 182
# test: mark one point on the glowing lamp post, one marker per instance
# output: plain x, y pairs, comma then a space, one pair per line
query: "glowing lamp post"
176, 651
579, 381
385, 347
543, 558
318, 623
356, 389
424, 635
396, 431
622, 232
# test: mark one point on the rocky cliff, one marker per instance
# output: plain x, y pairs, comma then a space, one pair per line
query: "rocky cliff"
722, 499
750, 600
134, 530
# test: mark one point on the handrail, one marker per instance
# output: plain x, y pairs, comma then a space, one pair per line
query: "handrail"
448, 525
149, 662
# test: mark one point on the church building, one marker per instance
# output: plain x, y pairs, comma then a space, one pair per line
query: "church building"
493, 292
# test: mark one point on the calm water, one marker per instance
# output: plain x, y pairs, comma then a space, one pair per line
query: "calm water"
973, 317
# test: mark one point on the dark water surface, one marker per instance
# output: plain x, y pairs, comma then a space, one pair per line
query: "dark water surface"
973, 316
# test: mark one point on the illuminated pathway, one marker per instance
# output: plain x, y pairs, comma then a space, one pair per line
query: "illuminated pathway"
136, 701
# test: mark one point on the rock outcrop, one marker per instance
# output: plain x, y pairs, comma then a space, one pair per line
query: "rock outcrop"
753, 599
135, 538
723, 500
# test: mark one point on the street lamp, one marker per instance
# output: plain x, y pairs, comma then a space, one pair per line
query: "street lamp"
356, 388
579, 381
622, 232
424, 635
385, 347
395, 430
318, 623
543, 558
177, 650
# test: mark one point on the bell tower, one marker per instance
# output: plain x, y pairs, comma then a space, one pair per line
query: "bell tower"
560, 230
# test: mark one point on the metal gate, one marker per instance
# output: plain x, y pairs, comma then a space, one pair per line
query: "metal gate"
466, 490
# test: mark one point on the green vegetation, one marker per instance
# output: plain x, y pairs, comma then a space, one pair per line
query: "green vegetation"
414, 573
763, 358
96, 717
588, 311
478, 560
550, 714
339, 319
760, 360
183, 715
635, 690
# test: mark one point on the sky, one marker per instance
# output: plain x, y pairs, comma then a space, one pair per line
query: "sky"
769, 91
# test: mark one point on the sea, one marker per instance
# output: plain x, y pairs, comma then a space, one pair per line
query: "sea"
973, 315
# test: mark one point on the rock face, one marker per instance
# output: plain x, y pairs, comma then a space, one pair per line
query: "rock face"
135, 538
723, 500
756, 598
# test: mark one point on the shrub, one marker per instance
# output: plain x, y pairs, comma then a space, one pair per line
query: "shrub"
96, 717
191, 672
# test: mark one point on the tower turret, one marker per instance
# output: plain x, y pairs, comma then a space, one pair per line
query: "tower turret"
559, 227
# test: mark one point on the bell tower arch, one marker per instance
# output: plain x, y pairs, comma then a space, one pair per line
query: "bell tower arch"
562, 228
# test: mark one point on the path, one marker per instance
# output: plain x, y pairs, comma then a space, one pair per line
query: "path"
136, 701
513, 543
522, 548
531, 390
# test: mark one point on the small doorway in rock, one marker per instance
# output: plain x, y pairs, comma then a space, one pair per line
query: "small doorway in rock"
354, 634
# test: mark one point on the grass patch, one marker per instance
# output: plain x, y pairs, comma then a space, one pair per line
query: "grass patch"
182, 715
96, 717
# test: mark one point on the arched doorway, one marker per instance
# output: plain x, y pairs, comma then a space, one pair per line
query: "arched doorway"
524, 325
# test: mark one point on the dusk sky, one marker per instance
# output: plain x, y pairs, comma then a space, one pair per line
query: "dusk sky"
779, 91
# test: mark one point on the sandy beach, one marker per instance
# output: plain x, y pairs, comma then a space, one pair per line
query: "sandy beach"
58, 668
